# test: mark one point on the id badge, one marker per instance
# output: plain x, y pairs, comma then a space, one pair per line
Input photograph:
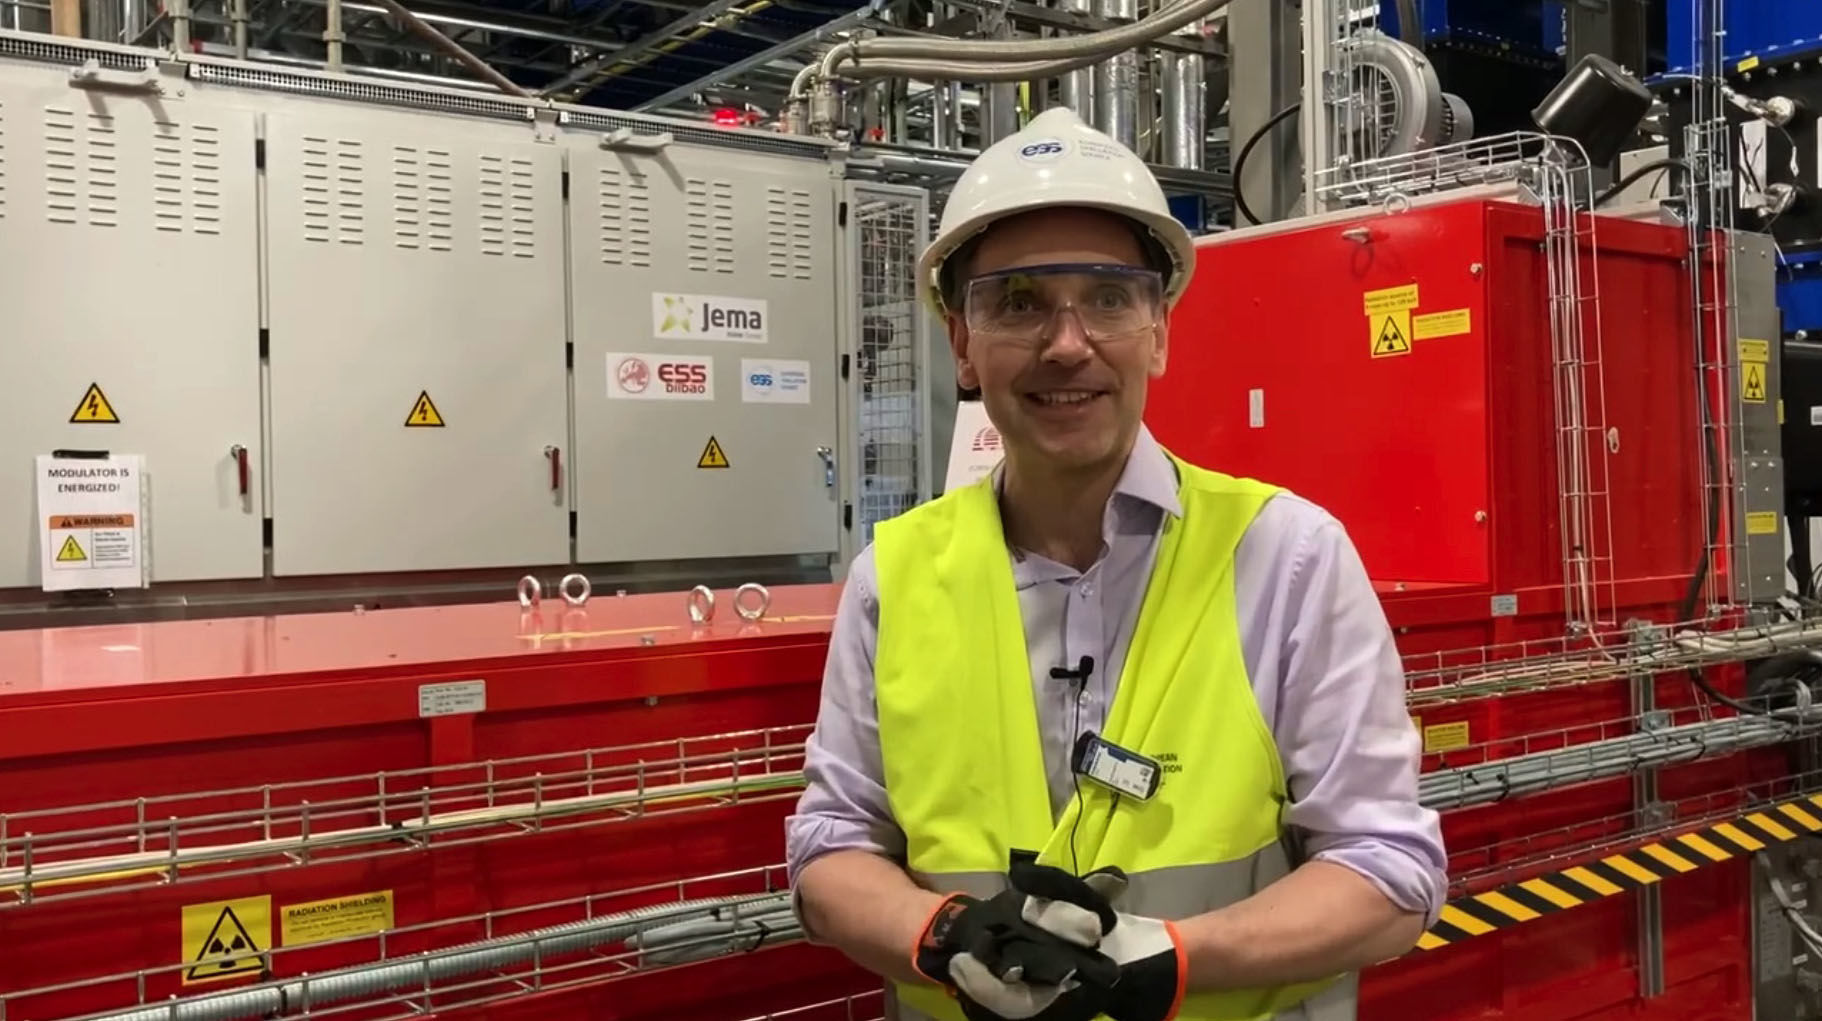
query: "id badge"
1115, 768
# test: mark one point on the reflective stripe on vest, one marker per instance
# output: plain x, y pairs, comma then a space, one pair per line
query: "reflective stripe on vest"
959, 735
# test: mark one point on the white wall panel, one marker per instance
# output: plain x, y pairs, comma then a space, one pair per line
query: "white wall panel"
704, 230
128, 260
414, 255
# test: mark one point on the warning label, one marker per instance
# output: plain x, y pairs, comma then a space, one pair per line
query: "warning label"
1762, 523
1390, 333
713, 456
424, 413
1752, 382
94, 408
337, 918
71, 551
225, 939
1391, 299
1445, 737
1431, 325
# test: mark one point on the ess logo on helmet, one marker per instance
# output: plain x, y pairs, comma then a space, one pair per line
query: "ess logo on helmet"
1041, 152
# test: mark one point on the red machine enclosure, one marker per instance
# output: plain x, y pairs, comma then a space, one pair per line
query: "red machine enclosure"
1437, 448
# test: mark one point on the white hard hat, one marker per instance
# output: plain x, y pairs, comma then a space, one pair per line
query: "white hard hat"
1056, 160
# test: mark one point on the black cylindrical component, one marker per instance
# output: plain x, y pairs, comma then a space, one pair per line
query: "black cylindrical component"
1598, 104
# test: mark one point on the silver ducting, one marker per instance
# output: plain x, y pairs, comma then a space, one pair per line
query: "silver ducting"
1184, 123
1116, 81
1078, 85
946, 115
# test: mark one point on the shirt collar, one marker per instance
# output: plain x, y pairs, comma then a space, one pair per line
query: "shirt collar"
1147, 486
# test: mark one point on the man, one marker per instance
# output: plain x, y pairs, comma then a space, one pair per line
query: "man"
1175, 684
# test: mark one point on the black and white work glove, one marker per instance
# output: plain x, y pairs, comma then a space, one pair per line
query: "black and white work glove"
1018, 956
1147, 951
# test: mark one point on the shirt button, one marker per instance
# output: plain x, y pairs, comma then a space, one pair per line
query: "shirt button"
1087, 590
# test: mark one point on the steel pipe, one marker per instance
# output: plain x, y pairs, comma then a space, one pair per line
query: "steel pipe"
453, 49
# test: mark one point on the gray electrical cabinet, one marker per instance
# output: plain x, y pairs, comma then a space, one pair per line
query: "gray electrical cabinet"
706, 353
129, 264
419, 392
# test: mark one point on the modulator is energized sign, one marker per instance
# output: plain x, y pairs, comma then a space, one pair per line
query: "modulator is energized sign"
91, 525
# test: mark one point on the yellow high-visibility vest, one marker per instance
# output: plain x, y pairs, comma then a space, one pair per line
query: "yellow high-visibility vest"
958, 726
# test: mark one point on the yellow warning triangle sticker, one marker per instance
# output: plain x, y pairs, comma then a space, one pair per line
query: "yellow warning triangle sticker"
94, 407
424, 413
712, 456
1391, 340
71, 551
1754, 387
228, 950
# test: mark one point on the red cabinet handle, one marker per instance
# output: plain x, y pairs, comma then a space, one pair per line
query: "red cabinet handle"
239, 453
555, 456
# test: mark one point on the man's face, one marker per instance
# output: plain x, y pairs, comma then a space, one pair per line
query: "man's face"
1061, 397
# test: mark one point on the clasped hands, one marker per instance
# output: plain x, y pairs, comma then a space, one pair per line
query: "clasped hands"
1052, 948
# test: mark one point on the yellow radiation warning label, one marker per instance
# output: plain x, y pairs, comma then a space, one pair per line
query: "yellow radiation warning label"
1390, 299
225, 939
361, 914
1431, 325
1445, 737
94, 408
1755, 350
1390, 333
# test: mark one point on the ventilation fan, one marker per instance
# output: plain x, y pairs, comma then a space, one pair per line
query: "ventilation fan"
1395, 105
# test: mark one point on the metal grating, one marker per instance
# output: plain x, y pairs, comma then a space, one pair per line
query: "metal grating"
269, 80
888, 362
38, 48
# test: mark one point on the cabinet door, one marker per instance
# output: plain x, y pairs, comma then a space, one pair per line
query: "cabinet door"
418, 371
705, 321
128, 270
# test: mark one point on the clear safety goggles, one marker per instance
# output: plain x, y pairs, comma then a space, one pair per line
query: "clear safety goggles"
1111, 302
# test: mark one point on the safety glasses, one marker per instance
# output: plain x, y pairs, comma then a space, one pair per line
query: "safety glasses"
1020, 306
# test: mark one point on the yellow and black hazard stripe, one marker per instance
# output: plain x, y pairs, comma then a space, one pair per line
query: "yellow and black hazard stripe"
1515, 903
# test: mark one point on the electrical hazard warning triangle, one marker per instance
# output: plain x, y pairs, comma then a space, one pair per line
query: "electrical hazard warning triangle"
1752, 382
713, 456
1391, 334
424, 414
94, 408
228, 949
71, 551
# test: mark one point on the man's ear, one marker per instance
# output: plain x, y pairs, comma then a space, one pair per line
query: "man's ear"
965, 376
1160, 346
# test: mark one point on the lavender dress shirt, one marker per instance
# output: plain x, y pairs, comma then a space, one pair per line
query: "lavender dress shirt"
1314, 639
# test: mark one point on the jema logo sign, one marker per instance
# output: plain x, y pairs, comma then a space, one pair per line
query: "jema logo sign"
709, 317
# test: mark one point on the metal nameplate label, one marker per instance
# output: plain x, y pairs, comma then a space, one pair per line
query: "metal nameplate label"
452, 698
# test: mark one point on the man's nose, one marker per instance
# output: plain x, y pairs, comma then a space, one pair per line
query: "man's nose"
1067, 341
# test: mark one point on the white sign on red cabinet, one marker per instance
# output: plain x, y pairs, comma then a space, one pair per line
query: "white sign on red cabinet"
660, 377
